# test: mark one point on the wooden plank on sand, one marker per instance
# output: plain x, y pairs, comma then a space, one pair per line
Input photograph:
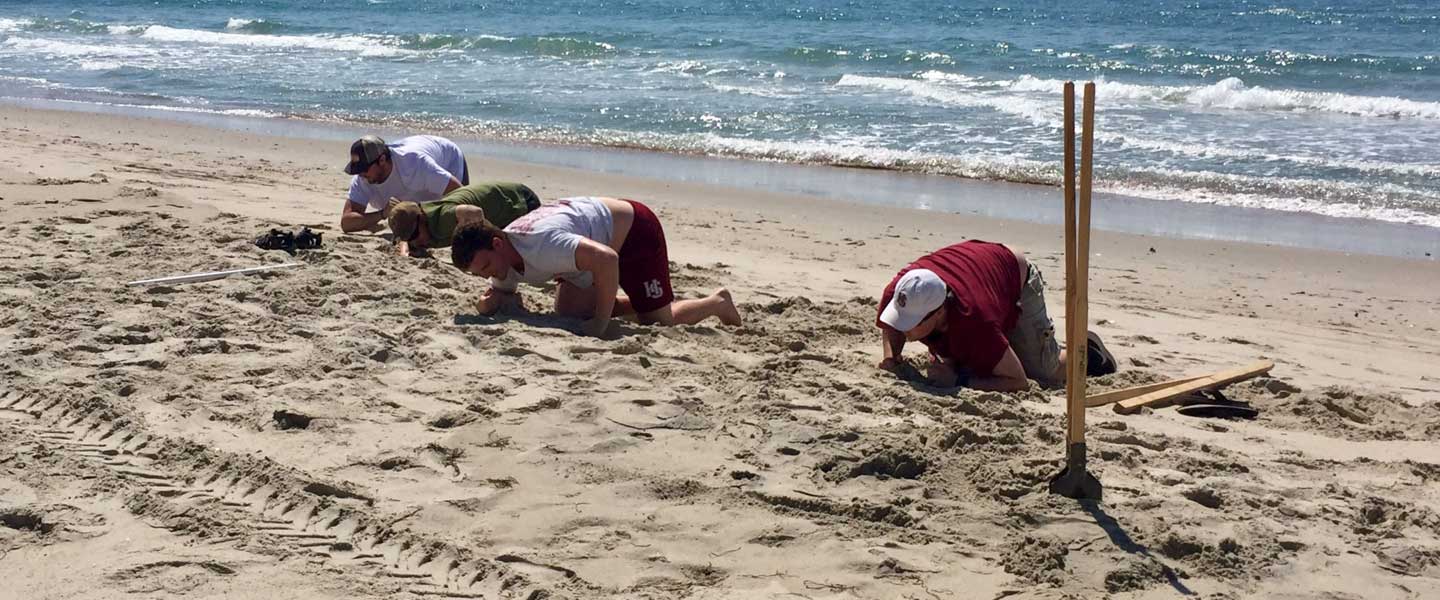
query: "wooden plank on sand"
1220, 379
1114, 396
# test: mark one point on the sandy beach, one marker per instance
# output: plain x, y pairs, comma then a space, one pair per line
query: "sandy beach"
350, 429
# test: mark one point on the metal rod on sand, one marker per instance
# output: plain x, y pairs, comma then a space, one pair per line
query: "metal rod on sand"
211, 276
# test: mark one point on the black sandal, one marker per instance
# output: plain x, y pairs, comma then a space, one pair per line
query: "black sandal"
1098, 360
290, 242
308, 240
1214, 404
277, 240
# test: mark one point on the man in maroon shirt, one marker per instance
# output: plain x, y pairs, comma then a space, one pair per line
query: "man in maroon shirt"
980, 309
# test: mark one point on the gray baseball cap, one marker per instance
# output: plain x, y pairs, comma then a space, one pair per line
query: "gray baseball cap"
363, 153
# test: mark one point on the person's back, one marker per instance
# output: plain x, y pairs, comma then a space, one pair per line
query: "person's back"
503, 203
984, 277
983, 280
422, 167
438, 149
547, 237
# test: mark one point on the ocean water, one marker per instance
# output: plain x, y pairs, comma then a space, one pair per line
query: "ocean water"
1329, 107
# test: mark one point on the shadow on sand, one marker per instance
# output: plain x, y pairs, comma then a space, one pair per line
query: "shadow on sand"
618, 328
1123, 541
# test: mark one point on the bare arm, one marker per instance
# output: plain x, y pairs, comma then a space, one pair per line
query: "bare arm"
604, 265
468, 214
1007, 376
892, 344
353, 218
452, 186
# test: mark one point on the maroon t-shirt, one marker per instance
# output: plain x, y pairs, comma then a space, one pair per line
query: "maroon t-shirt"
984, 302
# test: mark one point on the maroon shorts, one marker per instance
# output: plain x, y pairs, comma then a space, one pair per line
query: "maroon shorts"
644, 263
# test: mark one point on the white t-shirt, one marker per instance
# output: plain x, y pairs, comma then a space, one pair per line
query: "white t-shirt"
547, 238
423, 166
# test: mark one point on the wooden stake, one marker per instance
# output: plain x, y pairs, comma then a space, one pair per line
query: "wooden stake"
1070, 285
1075, 480
1075, 353
1082, 249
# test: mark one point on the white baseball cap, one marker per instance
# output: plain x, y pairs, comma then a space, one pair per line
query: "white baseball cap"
918, 292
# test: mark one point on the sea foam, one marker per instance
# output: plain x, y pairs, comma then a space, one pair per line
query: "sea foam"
1032, 109
363, 45
68, 49
1232, 93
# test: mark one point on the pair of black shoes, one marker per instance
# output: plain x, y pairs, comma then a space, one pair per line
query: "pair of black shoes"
289, 242
1098, 360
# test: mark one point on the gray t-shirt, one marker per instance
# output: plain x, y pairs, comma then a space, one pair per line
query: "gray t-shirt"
548, 236
424, 165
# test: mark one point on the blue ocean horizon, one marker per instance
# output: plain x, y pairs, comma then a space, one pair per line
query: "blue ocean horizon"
1328, 108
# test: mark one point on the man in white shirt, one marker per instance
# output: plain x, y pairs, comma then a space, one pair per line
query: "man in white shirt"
594, 248
418, 168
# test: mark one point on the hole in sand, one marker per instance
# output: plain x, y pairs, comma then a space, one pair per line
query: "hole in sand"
24, 518
285, 419
451, 419
325, 489
396, 463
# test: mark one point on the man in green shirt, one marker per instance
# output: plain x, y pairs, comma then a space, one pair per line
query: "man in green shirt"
432, 224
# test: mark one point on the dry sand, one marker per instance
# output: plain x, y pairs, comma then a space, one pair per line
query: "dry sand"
347, 429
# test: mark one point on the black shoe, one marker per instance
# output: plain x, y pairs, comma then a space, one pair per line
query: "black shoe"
277, 240
1098, 360
307, 240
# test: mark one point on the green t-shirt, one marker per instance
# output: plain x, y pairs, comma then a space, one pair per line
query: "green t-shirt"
503, 202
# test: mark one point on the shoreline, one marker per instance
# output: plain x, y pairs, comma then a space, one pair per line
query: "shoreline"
1005, 200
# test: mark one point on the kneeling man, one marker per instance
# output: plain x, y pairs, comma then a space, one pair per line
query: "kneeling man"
419, 168
594, 247
980, 309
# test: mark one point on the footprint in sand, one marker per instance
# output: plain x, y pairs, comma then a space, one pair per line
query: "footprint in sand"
170, 576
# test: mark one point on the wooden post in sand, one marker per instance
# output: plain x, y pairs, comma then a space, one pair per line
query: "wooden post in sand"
1078, 321
1075, 481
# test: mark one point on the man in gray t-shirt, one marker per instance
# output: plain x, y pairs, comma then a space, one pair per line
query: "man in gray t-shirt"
419, 168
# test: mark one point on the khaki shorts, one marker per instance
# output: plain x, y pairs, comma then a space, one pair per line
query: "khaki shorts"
1033, 338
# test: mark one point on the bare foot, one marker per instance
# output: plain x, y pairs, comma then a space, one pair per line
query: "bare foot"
728, 314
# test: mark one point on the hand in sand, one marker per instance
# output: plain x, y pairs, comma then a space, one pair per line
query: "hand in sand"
512, 302
890, 364
489, 302
942, 375
595, 327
